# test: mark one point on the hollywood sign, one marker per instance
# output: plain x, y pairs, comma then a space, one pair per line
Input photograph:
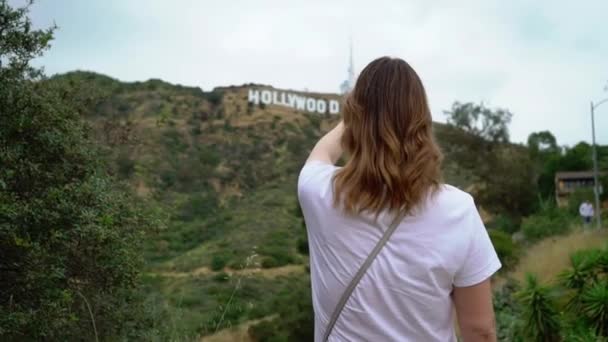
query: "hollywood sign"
291, 100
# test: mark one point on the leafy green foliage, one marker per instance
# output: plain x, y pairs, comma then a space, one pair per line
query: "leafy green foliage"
508, 313
540, 311
505, 173
594, 304
549, 221
490, 125
507, 251
69, 238
504, 223
295, 319
218, 262
579, 314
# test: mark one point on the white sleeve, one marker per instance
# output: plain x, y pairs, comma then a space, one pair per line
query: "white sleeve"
312, 174
481, 260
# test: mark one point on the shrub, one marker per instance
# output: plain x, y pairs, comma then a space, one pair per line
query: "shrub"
269, 262
594, 306
221, 277
507, 251
125, 165
549, 221
508, 312
504, 223
218, 262
215, 97
540, 311
295, 320
303, 246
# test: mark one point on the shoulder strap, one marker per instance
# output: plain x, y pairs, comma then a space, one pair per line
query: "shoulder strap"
355, 281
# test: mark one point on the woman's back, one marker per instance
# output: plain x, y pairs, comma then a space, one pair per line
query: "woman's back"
438, 259
405, 294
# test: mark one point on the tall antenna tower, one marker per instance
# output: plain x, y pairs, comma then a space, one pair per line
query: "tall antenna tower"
348, 84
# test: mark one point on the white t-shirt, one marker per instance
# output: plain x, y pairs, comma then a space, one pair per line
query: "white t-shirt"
405, 294
586, 209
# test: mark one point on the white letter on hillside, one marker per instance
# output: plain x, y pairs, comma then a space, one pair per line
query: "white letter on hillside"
275, 99
321, 106
311, 104
254, 96
334, 107
301, 102
266, 97
292, 100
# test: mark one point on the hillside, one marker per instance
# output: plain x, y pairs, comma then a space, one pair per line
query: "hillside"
224, 171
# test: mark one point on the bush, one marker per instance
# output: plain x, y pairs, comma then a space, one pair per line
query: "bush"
218, 262
125, 165
549, 221
508, 312
276, 249
303, 246
221, 277
270, 262
295, 320
540, 312
507, 251
504, 223
215, 97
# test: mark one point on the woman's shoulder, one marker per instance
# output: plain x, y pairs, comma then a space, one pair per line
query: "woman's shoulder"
449, 196
314, 175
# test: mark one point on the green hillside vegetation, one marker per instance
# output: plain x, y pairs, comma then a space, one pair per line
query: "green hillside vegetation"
153, 211
224, 172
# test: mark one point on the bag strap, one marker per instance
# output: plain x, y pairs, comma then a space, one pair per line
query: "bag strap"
355, 281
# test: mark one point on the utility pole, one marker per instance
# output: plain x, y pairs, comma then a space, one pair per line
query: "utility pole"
596, 184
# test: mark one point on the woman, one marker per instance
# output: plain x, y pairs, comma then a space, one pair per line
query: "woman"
439, 257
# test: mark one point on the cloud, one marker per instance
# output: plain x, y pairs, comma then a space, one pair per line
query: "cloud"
543, 61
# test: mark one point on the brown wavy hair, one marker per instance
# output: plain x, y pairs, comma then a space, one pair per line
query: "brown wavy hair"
394, 162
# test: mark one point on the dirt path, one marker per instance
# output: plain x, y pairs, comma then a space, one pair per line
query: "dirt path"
238, 333
205, 271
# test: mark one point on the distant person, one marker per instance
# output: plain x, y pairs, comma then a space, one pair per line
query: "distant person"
586, 212
439, 258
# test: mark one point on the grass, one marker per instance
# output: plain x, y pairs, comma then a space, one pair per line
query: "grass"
550, 256
196, 304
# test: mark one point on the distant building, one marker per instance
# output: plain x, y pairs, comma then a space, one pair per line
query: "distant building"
567, 183
349, 83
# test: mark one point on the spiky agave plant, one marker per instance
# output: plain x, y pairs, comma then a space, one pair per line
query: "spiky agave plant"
585, 268
540, 314
594, 305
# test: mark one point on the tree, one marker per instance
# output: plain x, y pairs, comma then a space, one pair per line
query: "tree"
69, 239
546, 155
577, 158
488, 124
542, 142
505, 172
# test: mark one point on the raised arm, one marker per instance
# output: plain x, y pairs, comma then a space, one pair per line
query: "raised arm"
328, 149
475, 312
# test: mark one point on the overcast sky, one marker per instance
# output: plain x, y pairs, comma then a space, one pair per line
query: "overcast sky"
543, 60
